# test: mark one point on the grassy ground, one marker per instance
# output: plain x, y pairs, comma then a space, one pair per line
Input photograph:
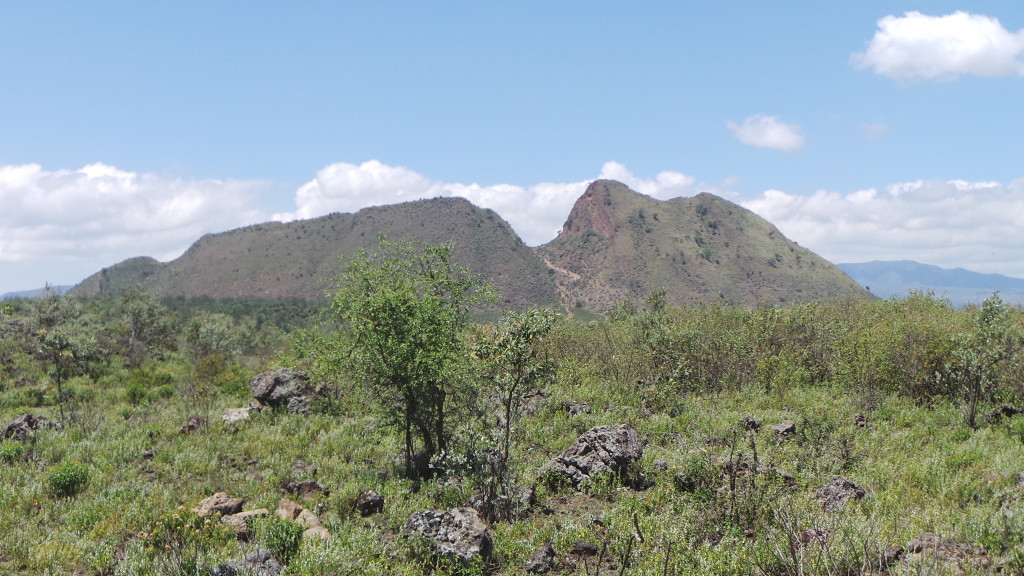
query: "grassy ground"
722, 499
922, 469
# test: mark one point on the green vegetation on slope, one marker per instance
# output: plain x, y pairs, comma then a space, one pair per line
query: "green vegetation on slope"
287, 260
879, 392
618, 243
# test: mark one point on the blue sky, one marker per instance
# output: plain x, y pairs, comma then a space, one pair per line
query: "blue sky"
864, 130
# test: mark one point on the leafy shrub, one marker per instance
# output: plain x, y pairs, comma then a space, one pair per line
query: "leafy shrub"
281, 537
181, 540
67, 479
135, 393
11, 452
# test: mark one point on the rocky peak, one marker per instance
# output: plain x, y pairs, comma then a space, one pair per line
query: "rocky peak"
591, 212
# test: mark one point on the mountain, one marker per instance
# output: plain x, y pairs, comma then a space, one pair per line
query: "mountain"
288, 260
617, 242
960, 286
33, 293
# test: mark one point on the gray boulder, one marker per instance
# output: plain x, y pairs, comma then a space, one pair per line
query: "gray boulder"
235, 415
600, 450
24, 427
369, 503
458, 534
542, 561
932, 550
839, 490
784, 429
282, 388
259, 563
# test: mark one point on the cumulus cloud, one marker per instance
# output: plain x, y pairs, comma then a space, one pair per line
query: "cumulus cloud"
536, 212
767, 132
59, 226
974, 225
918, 46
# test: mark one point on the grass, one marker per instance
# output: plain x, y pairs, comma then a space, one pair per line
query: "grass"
922, 468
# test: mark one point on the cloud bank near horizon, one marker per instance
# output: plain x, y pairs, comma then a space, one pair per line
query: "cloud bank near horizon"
61, 222
535, 212
62, 225
918, 46
972, 225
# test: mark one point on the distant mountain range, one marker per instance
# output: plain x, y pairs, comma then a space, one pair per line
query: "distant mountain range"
615, 243
33, 293
959, 286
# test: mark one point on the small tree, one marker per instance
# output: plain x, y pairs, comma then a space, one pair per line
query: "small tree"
973, 370
512, 362
144, 325
402, 310
65, 341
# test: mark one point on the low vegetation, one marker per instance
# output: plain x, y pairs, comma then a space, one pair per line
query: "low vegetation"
820, 438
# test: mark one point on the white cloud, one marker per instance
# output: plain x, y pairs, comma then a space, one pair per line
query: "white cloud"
942, 47
767, 132
974, 225
59, 226
536, 212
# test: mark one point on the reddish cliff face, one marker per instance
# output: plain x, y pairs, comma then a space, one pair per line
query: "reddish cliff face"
590, 213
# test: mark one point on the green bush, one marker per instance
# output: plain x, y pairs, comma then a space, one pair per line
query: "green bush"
11, 452
281, 537
181, 541
67, 479
135, 393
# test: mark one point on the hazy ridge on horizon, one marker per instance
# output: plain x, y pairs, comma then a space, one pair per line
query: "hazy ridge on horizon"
887, 278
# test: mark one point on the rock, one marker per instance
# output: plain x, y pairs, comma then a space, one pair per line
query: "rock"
600, 450
892, 555
1005, 411
260, 563
533, 401
784, 428
25, 426
750, 423
542, 561
583, 548
193, 423
301, 467
317, 532
369, 503
834, 495
234, 415
220, 503
931, 549
306, 489
309, 519
458, 534
576, 408
282, 388
288, 510
240, 522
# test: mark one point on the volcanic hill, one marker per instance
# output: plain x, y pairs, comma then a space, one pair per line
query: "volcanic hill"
615, 243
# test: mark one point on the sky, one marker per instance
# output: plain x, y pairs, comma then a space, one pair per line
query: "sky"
869, 130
